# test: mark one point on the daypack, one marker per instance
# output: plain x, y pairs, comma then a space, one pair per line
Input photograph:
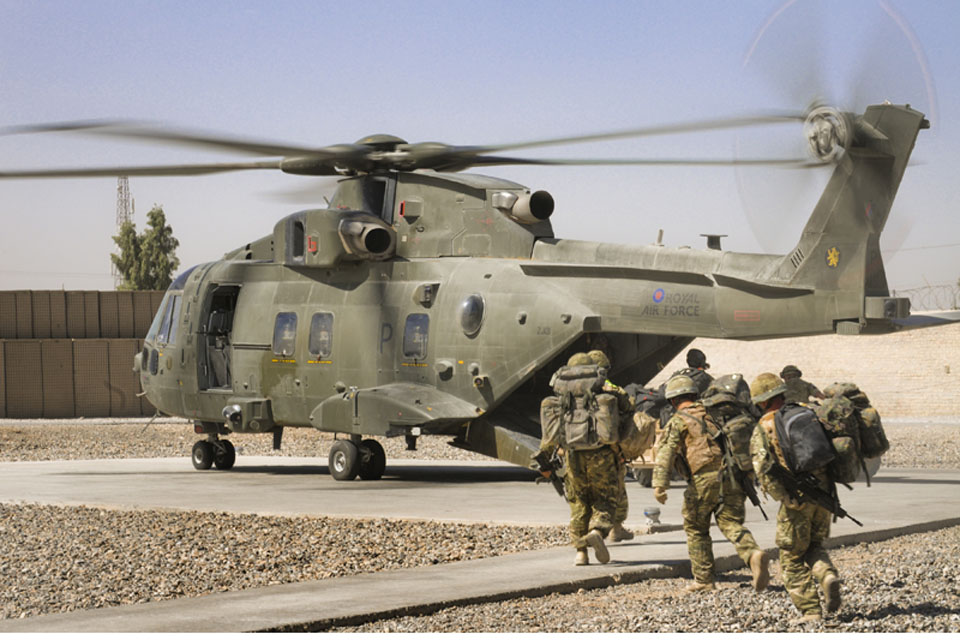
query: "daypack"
588, 417
802, 439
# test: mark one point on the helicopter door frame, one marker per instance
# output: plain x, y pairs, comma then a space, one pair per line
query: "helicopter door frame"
215, 337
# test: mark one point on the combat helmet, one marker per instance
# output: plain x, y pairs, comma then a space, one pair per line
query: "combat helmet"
599, 358
681, 386
766, 386
697, 359
791, 369
728, 388
579, 359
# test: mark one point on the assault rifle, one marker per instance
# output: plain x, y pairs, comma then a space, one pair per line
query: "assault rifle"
733, 470
805, 488
550, 463
742, 479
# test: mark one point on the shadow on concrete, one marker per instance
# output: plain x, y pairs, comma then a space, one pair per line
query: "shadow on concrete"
906, 480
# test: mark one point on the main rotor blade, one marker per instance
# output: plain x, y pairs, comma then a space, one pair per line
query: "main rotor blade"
168, 170
142, 131
799, 163
681, 127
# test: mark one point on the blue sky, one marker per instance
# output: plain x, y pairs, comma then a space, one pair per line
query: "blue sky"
319, 73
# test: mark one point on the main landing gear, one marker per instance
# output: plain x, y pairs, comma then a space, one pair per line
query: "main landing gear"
212, 452
350, 458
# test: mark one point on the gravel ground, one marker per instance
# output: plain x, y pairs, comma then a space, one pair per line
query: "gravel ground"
96, 557
913, 444
57, 559
902, 585
91, 439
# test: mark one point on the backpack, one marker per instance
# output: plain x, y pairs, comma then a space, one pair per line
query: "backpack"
842, 423
873, 439
738, 430
802, 439
588, 418
649, 401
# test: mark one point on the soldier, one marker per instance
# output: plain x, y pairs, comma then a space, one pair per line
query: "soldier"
798, 390
696, 370
690, 436
801, 526
591, 488
621, 504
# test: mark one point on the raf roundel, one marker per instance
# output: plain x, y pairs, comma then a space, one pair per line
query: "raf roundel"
659, 295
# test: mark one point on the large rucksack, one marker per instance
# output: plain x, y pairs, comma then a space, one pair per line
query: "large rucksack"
738, 429
581, 415
873, 439
842, 424
802, 438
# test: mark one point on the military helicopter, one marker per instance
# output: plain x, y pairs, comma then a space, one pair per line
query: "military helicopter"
425, 301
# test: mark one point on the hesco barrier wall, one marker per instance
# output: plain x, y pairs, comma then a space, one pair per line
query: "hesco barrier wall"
76, 314
67, 354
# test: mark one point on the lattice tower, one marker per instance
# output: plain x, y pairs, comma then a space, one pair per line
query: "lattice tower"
124, 214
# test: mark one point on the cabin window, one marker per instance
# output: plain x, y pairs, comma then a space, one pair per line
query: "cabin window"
285, 334
471, 314
321, 335
415, 336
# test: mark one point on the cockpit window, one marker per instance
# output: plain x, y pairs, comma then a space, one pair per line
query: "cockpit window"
178, 284
171, 317
285, 334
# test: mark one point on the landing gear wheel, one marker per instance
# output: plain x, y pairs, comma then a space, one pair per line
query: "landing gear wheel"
344, 460
224, 454
202, 455
373, 460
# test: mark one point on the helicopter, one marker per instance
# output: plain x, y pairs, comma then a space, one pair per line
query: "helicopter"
427, 301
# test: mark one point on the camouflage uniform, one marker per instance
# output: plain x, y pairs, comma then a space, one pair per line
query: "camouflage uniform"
702, 498
801, 529
591, 487
621, 503
799, 390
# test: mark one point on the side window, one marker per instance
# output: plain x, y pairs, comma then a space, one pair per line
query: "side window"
158, 319
285, 334
415, 336
321, 335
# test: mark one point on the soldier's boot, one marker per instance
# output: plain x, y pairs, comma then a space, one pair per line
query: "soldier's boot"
700, 586
595, 540
618, 533
582, 558
807, 618
831, 592
760, 567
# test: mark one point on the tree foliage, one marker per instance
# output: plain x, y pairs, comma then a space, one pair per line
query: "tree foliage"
147, 260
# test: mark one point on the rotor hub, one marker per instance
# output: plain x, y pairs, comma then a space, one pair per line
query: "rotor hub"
828, 133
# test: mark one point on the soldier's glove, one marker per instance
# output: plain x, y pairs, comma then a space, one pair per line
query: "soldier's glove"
660, 495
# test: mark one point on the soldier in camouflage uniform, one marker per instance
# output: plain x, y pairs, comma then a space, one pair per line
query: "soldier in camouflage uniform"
621, 503
591, 489
798, 389
801, 527
688, 437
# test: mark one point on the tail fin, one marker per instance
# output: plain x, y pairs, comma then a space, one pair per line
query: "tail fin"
839, 248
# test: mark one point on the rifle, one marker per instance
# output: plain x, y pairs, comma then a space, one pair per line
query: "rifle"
550, 463
733, 470
743, 480
804, 488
